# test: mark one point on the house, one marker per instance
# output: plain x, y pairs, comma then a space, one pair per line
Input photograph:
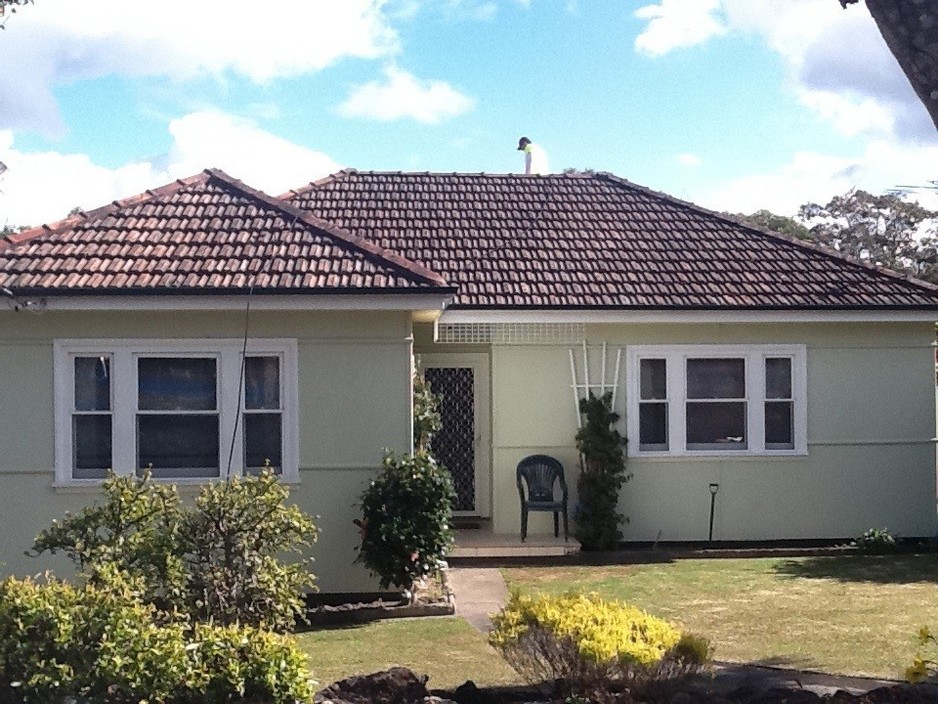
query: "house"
799, 382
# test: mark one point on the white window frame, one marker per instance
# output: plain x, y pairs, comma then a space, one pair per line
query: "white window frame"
676, 357
124, 353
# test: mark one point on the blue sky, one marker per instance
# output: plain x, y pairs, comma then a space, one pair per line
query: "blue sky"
734, 104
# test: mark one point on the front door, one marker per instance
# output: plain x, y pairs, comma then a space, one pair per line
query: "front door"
462, 443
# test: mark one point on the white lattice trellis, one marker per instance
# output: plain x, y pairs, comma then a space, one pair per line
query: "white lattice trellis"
599, 383
509, 333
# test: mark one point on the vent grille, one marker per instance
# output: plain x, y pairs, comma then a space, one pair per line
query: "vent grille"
510, 333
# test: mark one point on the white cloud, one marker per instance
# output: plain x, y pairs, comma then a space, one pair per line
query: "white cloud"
838, 64
673, 24
402, 95
817, 177
60, 41
43, 186
688, 159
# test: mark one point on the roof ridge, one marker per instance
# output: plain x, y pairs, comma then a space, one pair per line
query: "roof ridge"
15, 240
325, 180
768, 232
363, 245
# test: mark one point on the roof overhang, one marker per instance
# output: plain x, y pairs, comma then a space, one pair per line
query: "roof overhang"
349, 301
869, 315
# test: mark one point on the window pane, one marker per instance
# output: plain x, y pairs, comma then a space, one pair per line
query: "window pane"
653, 379
176, 384
262, 440
178, 445
716, 426
91, 446
653, 426
92, 383
779, 431
716, 378
778, 377
262, 383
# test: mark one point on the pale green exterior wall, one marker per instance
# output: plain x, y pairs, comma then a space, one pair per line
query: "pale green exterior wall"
871, 428
354, 400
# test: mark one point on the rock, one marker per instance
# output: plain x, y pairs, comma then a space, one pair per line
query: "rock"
395, 686
468, 693
903, 694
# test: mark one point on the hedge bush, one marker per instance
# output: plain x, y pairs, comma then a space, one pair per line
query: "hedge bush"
60, 641
405, 526
588, 646
218, 560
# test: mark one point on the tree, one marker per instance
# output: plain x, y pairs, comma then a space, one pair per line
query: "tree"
7, 230
908, 26
8, 7
777, 223
882, 230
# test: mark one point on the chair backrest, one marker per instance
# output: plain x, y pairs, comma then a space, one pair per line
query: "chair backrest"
540, 473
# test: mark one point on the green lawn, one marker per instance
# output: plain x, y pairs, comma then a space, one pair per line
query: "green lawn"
856, 615
447, 649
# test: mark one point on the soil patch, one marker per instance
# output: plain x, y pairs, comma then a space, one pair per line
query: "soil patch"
432, 597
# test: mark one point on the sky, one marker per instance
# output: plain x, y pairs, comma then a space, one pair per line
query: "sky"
736, 105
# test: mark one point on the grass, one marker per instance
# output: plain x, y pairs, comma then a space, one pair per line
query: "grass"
852, 615
447, 649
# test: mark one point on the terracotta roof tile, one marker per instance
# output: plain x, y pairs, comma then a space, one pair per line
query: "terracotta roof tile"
593, 241
207, 233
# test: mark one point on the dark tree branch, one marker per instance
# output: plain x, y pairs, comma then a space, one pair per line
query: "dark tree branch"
910, 28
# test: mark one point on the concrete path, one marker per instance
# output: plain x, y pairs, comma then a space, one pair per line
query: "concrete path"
481, 592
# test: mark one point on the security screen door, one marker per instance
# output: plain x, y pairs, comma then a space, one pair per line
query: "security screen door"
462, 443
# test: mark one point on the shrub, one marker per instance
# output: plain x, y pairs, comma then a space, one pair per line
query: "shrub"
876, 541
59, 641
601, 477
136, 530
218, 560
587, 645
405, 525
233, 542
923, 666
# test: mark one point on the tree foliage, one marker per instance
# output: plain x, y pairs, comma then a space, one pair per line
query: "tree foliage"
881, 230
777, 223
8, 7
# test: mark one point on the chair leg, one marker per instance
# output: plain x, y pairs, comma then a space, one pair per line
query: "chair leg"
524, 523
556, 523
566, 532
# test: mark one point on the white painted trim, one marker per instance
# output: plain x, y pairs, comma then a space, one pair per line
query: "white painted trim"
479, 363
124, 404
379, 301
676, 357
688, 316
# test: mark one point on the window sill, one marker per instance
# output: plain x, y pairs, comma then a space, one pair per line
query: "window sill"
90, 486
739, 455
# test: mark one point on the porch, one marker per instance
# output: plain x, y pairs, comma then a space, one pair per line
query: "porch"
479, 541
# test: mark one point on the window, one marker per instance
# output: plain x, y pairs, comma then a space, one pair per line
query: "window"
716, 399
173, 406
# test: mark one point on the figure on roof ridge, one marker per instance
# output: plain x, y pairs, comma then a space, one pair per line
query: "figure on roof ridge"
535, 158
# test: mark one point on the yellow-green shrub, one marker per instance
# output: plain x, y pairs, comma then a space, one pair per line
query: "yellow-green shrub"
585, 643
922, 666
103, 644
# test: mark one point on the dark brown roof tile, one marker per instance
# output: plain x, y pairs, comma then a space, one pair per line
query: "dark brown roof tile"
593, 241
178, 235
